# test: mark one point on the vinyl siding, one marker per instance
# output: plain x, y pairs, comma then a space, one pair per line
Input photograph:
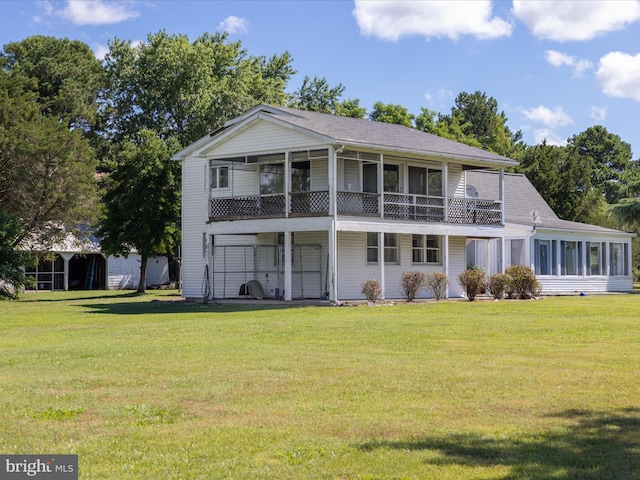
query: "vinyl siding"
263, 137
194, 217
353, 269
456, 184
457, 264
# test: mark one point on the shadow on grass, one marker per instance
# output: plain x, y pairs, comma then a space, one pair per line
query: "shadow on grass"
163, 306
596, 445
33, 296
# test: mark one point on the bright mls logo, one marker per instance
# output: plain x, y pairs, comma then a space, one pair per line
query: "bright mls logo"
49, 467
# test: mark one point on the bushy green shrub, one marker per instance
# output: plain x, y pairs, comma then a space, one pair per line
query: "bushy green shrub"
437, 283
521, 282
496, 284
473, 282
371, 289
411, 283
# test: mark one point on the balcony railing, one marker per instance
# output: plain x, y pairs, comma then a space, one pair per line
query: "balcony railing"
397, 206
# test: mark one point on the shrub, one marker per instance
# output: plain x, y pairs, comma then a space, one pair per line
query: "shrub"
521, 282
411, 283
371, 289
437, 283
496, 284
473, 282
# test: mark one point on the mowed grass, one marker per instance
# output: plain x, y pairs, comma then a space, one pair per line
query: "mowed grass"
143, 387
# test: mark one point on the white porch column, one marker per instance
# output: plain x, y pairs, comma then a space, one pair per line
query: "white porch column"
445, 261
445, 190
381, 186
287, 185
333, 263
287, 265
66, 257
381, 263
501, 195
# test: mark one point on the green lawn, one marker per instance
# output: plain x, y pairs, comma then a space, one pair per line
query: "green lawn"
144, 387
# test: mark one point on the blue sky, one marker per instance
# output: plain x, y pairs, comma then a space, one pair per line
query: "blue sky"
555, 68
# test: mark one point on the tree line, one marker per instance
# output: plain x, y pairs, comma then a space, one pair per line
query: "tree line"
88, 141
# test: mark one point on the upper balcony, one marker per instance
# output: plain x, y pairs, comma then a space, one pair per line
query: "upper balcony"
389, 206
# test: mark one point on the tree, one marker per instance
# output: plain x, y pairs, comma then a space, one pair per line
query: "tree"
66, 72
476, 115
390, 113
317, 96
185, 90
447, 127
141, 207
609, 159
563, 179
12, 261
46, 170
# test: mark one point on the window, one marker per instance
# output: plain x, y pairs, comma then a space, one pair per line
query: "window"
301, 176
220, 177
425, 181
545, 257
595, 258
370, 177
372, 248
571, 258
515, 251
391, 178
391, 248
434, 183
618, 264
426, 249
271, 178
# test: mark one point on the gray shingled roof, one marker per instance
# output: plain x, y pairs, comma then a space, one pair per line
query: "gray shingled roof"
379, 135
521, 199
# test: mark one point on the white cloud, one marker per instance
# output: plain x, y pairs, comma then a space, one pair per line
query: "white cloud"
393, 19
598, 113
545, 134
575, 19
548, 117
89, 12
233, 24
559, 59
100, 51
619, 75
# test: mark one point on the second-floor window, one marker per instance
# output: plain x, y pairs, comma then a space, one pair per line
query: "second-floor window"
301, 176
425, 181
271, 178
219, 177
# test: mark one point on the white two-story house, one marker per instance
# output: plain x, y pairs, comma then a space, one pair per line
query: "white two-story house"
290, 204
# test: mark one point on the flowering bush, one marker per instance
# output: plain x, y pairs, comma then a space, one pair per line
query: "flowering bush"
411, 283
437, 283
473, 282
371, 289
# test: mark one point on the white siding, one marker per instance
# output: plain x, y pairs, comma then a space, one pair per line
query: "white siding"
195, 195
244, 181
124, 273
456, 184
351, 175
352, 265
457, 264
262, 137
353, 269
319, 175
